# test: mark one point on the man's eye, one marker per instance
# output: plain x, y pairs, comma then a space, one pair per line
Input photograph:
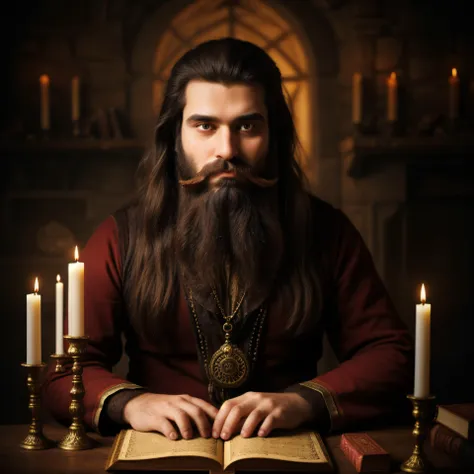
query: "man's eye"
204, 126
247, 127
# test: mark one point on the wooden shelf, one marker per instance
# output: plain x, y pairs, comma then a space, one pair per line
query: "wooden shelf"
364, 154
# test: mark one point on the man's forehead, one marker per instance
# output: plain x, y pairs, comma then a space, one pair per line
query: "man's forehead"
209, 98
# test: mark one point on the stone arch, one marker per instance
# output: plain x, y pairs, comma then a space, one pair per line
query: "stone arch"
306, 29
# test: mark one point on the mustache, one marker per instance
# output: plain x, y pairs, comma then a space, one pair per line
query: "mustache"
243, 174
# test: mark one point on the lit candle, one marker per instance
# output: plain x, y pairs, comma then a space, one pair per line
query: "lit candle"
454, 95
392, 98
33, 326
76, 297
357, 98
422, 347
75, 97
44, 102
59, 315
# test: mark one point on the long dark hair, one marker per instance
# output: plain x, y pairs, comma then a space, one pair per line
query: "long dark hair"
152, 283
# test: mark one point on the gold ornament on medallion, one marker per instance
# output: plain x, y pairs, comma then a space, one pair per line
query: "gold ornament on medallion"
228, 366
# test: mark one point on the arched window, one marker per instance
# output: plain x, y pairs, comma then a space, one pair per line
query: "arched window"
250, 20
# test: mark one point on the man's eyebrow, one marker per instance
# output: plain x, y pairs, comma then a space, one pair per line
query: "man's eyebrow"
253, 116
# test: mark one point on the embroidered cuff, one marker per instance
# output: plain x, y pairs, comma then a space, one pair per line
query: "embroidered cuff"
335, 413
98, 420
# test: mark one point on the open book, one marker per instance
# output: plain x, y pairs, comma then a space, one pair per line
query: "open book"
292, 451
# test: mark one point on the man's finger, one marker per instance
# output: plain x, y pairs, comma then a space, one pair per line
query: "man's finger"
253, 420
199, 417
269, 424
221, 417
182, 420
165, 427
236, 414
211, 410
224, 411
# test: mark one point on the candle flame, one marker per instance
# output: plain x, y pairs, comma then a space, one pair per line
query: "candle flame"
58, 278
36, 285
44, 79
393, 76
423, 294
76, 254
454, 72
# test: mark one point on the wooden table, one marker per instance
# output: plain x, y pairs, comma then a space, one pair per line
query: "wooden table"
397, 441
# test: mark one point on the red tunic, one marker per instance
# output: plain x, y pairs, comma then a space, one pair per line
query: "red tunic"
372, 344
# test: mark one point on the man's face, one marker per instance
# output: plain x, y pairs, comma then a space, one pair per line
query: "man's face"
222, 122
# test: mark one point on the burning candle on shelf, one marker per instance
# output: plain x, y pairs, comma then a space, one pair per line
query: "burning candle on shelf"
422, 347
75, 98
33, 326
454, 95
59, 315
357, 98
392, 98
44, 102
76, 297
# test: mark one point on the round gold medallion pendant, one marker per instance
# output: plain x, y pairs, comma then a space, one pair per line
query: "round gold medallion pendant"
228, 367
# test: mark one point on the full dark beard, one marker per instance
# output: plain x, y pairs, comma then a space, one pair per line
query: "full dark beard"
231, 228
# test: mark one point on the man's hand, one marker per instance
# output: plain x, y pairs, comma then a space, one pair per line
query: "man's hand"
165, 413
272, 410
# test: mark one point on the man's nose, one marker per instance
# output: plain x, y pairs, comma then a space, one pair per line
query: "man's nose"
227, 144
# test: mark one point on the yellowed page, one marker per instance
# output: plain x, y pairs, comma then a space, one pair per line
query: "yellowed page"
296, 447
138, 445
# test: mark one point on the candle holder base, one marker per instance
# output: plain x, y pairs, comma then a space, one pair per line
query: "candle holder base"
423, 412
60, 360
35, 439
76, 439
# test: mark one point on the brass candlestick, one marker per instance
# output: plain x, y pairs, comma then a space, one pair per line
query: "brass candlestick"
76, 438
423, 413
35, 438
60, 360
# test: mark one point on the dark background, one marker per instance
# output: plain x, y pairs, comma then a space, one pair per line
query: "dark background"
411, 196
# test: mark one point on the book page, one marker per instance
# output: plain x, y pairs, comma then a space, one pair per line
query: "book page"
138, 445
297, 447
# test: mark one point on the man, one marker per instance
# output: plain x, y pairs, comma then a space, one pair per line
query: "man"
224, 274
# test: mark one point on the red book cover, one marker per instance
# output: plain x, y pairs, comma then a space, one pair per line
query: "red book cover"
443, 439
365, 454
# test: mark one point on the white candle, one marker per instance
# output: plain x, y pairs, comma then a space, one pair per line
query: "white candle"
33, 326
44, 102
422, 347
76, 297
357, 98
75, 98
454, 95
392, 98
59, 315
